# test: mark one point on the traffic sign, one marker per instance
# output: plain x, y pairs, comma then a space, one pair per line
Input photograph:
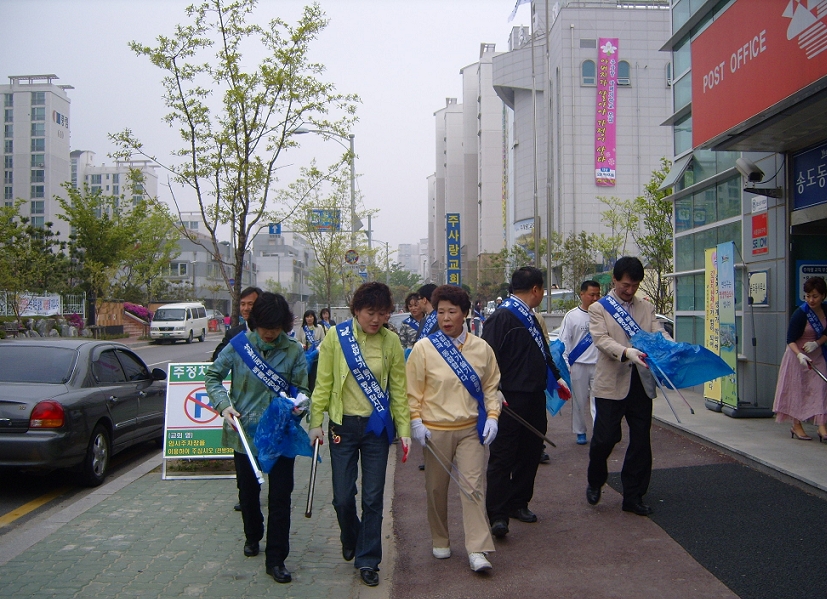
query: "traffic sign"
351, 257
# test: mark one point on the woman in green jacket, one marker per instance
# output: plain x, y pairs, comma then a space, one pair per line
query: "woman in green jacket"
361, 385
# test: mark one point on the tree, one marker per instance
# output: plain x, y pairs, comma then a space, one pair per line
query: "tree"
237, 118
622, 219
579, 250
654, 240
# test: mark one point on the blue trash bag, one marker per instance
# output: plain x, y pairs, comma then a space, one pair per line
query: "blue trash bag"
280, 434
685, 364
311, 355
407, 351
553, 401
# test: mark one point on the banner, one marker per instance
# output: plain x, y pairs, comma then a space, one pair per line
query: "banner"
727, 333
605, 134
454, 251
712, 389
38, 305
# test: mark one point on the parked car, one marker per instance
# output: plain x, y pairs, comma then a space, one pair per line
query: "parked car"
668, 324
215, 315
74, 403
179, 321
397, 318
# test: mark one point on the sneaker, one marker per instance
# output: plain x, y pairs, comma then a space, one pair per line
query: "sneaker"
581, 439
442, 552
478, 562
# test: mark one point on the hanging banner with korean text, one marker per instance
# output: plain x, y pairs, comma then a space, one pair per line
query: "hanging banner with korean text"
453, 254
605, 135
712, 389
727, 332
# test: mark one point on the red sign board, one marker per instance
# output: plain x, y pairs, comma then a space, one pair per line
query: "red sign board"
760, 237
755, 54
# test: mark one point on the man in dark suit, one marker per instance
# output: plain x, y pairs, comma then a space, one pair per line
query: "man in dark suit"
623, 388
249, 295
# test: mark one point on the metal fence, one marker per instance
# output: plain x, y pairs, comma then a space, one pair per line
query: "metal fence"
69, 304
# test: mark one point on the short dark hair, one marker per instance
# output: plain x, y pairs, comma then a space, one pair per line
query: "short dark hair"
451, 293
373, 295
250, 291
322, 311
526, 278
815, 284
271, 311
425, 291
309, 313
409, 297
584, 286
628, 265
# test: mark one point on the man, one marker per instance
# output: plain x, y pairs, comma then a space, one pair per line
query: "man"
623, 387
249, 295
429, 323
581, 355
513, 332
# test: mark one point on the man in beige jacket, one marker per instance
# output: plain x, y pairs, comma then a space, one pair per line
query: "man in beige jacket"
623, 387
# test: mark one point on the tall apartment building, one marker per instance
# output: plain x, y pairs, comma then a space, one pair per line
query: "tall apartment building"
116, 179
551, 81
36, 146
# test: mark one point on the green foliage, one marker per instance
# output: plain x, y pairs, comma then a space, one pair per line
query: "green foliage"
236, 117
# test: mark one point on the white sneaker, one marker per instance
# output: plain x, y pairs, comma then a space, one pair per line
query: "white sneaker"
442, 552
478, 562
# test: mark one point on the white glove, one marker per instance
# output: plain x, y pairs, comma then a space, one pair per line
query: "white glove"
302, 402
229, 410
636, 356
419, 431
810, 347
804, 360
316, 433
489, 432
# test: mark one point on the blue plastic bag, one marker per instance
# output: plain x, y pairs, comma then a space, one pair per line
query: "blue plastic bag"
553, 401
311, 355
280, 434
685, 364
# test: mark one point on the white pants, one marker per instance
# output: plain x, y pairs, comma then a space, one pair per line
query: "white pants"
582, 378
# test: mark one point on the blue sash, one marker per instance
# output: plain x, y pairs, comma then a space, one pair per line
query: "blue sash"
816, 324
580, 348
411, 323
427, 325
308, 334
325, 325
464, 371
521, 311
380, 420
271, 379
621, 316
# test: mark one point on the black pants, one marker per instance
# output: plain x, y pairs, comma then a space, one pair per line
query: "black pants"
515, 455
280, 480
636, 407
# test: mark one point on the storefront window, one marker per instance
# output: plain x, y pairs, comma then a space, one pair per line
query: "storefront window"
683, 214
729, 198
684, 252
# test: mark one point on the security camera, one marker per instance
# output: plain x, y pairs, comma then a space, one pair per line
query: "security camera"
749, 170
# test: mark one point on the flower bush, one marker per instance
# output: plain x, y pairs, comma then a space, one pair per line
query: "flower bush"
138, 311
75, 320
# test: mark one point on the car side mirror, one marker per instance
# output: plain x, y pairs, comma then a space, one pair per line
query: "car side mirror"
158, 374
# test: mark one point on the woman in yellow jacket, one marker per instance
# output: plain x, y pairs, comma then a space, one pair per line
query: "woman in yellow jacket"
361, 385
455, 420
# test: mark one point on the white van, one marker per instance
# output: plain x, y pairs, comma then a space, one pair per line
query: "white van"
179, 321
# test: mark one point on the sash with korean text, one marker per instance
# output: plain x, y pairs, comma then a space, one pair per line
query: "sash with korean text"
525, 316
308, 334
380, 419
620, 315
263, 371
428, 325
411, 323
580, 348
465, 373
812, 318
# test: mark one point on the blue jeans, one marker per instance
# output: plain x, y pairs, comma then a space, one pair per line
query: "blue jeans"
365, 534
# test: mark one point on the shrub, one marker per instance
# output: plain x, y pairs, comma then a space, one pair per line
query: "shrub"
75, 320
138, 311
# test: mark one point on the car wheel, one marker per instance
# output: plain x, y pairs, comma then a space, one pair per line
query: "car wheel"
203, 336
96, 462
189, 337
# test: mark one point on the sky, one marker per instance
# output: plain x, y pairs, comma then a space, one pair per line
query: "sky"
402, 57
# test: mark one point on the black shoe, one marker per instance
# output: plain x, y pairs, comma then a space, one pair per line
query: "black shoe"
251, 549
499, 528
422, 466
523, 515
237, 507
280, 574
637, 507
369, 576
348, 553
592, 495
545, 459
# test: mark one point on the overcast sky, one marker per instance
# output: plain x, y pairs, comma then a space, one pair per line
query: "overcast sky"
402, 57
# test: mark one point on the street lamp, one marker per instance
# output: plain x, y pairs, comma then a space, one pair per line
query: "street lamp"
333, 134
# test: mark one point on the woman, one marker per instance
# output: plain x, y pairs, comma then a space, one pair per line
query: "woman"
325, 321
310, 336
455, 421
410, 326
800, 394
250, 395
361, 386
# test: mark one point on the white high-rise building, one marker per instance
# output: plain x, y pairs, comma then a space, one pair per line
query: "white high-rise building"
36, 147
116, 179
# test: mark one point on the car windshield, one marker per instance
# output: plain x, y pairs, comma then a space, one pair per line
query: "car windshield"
51, 365
169, 314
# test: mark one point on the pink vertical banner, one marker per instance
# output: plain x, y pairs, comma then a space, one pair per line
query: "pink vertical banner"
605, 134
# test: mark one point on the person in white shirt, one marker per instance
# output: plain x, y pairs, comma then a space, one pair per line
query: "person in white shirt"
581, 355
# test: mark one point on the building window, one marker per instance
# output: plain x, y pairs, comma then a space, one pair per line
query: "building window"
668, 74
116, 178
38, 191
8, 193
588, 73
38, 98
624, 73
39, 145
137, 200
177, 269
8, 115
95, 189
39, 114
38, 160
38, 222
8, 131
96, 179
588, 43
38, 176
682, 91
38, 207
116, 190
38, 129
7, 162
8, 100
683, 135
8, 146
8, 179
